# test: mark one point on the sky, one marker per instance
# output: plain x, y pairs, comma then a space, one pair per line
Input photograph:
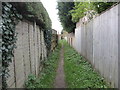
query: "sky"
51, 7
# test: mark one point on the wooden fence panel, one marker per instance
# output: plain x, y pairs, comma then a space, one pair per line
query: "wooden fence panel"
28, 55
26, 49
18, 59
83, 41
99, 43
11, 79
39, 48
37, 45
107, 39
78, 39
42, 45
89, 41
32, 56
36, 49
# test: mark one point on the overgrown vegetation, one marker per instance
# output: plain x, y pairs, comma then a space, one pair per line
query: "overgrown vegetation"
10, 18
82, 8
11, 14
47, 76
35, 11
78, 72
65, 16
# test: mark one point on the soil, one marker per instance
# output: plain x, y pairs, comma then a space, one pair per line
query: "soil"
59, 80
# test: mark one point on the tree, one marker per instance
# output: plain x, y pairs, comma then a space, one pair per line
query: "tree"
65, 16
102, 6
81, 8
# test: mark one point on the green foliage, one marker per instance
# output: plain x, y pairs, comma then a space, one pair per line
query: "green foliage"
34, 11
31, 81
11, 13
47, 38
81, 8
47, 76
9, 19
102, 6
37, 10
78, 72
65, 16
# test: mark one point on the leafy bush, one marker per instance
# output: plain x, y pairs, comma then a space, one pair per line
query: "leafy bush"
31, 82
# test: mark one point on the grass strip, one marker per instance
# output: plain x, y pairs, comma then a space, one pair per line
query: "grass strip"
78, 72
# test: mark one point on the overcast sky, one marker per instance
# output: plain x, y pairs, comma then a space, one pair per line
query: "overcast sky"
51, 6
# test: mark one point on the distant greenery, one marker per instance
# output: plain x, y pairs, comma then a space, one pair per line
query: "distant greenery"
81, 8
65, 16
78, 72
47, 76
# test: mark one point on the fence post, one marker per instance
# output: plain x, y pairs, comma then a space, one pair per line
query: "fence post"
35, 47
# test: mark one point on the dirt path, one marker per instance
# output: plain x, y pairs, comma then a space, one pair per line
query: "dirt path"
59, 80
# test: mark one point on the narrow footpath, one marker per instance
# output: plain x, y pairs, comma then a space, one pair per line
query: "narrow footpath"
59, 80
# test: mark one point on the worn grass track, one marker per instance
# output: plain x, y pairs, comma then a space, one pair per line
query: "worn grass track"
59, 80
78, 72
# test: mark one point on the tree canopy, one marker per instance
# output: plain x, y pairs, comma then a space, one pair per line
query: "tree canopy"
81, 8
102, 6
65, 16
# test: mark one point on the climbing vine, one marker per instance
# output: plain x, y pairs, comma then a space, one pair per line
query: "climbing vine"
10, 18
36, 11
47, 38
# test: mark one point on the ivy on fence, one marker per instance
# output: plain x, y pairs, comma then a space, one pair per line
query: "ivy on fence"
11, 17
47, 38
9, 20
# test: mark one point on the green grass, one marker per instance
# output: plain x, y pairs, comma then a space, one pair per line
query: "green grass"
78, 72
47, 76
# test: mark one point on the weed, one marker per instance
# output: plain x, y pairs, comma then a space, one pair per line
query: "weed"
47, 76
78, 72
